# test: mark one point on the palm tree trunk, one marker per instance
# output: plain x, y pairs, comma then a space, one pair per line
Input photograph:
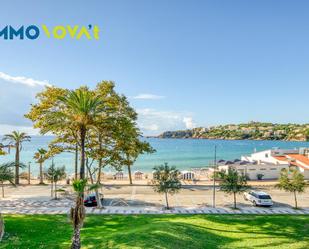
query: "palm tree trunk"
76, 239
82, 142
234, 199
166, 200
17, 163
295, 199
77, 216
82, 162
41, 174
76, 160
130, 174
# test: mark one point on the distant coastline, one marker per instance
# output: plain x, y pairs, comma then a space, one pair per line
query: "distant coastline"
244, 131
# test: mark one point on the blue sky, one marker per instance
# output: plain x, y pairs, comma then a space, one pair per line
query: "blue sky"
181, 63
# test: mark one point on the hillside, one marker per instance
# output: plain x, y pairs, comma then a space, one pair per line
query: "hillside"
252, 131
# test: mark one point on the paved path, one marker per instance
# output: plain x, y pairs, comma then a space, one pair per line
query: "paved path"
63, 206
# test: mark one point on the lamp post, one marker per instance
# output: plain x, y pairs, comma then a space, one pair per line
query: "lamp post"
214, 179
29, 172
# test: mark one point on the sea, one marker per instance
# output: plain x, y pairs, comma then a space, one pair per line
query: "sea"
185, 154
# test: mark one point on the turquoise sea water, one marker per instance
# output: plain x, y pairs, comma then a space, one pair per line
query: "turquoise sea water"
182, 153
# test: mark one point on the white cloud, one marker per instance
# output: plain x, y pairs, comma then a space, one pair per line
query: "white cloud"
148, 96
189, 122
154, 122
151, 127
23, 80
6, 129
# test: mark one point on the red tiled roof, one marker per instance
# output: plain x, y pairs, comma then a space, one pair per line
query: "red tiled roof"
281, 158
301, 158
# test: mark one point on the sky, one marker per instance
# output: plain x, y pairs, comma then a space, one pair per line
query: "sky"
182, 64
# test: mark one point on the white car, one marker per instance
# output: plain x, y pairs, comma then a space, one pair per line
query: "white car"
258, 198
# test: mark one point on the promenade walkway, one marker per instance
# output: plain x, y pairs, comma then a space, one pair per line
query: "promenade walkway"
63, 206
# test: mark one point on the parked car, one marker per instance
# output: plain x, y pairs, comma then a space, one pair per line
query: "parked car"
258, 198
91, 200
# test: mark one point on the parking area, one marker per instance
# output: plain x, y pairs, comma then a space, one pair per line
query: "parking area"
193, 196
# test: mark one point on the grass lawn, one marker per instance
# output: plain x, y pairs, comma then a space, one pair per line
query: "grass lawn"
160, 231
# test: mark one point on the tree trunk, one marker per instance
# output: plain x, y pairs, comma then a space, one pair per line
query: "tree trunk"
76, 239
100, 171
51, 188
295, 198
2, 189
166, 200
17, 164
97, 196
234, 200
76, 160
29, 174
1, 227
56, 190
82, 162
100, 160
77, 217
41, 174
130, 174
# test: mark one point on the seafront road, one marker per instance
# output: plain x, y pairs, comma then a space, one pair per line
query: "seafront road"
141, 199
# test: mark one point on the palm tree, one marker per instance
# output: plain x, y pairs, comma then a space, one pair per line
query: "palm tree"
233, 183
40, 156
15, 140
6, 174
78, 213
80, 111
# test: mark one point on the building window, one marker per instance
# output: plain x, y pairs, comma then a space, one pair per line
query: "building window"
273, 169
266, 155
263, 169
251, 169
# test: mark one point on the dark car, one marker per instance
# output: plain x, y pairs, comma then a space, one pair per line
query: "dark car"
91, 200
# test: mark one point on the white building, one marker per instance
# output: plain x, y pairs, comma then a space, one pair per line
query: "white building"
254, 170
298, 158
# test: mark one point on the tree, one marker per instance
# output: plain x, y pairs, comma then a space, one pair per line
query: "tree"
232, 183
118, 137
41, 156
93, 121
166, 180
67, 110
2, 152
6, 174
294, 184
55, 174
77, 213
15, 139
130, 145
